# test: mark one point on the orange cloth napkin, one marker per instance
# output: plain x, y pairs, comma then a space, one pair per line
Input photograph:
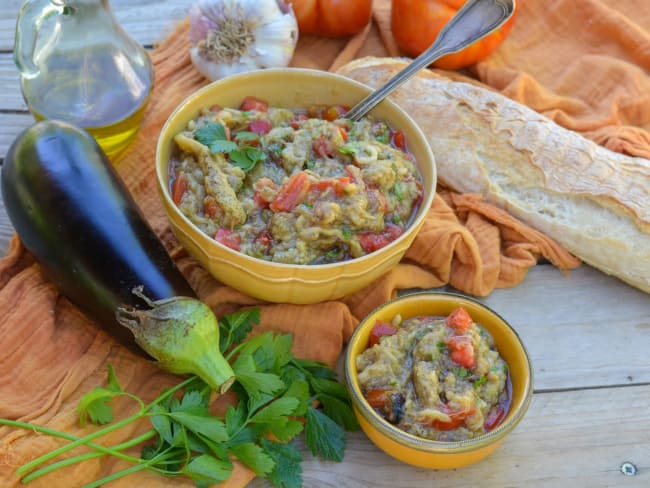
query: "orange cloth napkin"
583, 63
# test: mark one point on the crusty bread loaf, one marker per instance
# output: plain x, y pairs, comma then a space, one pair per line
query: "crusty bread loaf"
593, 201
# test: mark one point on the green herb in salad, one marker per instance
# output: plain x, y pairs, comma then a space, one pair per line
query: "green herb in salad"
246, 156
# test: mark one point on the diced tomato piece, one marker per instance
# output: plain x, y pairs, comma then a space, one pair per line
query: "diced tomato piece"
337, 185
263, 239
262, 197
461, 350
291, 193
379, 330
260, 126
179, 187
456, 418
228, 238
252, 103
379, 397
295, 121
399, 140
334, 112
210, 207
495, 417
459, 320
323, 147
371, 241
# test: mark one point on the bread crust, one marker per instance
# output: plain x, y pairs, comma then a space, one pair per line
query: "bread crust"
593, 201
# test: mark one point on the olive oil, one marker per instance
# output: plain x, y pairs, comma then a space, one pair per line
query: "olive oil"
96, 90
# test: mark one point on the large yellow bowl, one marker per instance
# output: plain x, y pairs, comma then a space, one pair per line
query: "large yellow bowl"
436, 454
276, 282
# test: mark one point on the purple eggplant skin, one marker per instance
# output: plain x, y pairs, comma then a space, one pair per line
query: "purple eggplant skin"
72, 211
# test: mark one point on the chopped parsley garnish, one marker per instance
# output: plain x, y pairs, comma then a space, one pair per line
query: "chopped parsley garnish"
245, 156
398, 192
461, 372
348, 150
480, 381
383, 138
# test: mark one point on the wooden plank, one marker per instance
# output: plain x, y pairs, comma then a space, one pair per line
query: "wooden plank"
547, 449
581, 330
10, 95
6, 229
147, 21
11, 125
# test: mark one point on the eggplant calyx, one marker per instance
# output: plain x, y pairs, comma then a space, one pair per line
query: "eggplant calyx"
182, 334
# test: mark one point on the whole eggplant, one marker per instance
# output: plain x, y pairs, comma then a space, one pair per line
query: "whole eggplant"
72, 211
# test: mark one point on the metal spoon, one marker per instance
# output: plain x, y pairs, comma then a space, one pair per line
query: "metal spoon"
475, 20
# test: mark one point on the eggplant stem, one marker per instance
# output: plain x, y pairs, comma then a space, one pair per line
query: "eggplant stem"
138, 291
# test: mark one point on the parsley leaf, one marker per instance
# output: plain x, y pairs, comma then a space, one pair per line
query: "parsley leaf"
202, 423
207, 470
234, 328
246, 158
213, 135
225, 147
254, 457
246, 136
112, 383
94, 406
323, 436
254, 381
162, 424
287, 472
210, 132
340, 412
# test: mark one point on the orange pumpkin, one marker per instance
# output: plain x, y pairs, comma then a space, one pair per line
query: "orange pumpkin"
332, 18
415, 24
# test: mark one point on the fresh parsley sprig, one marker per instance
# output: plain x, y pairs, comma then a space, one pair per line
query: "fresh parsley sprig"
240, 152
274, 389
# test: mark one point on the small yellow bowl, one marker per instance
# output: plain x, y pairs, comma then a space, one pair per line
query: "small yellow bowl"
277, 282
423, 452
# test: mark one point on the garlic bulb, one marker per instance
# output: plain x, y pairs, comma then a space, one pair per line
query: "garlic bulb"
231, 36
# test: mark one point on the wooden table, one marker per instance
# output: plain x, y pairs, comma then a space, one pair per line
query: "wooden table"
588, 335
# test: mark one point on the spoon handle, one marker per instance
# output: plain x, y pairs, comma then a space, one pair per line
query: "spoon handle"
475, 20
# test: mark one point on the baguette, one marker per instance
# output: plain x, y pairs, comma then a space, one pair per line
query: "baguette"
593, 201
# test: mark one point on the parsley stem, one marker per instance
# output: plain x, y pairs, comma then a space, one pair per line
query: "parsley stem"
78, 441
100, 451
119, 474
99, 433
148, 464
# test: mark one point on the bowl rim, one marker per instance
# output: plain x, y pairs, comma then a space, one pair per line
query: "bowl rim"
426, 445
391, 248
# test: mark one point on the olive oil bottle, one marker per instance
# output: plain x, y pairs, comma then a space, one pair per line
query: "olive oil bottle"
80, 66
